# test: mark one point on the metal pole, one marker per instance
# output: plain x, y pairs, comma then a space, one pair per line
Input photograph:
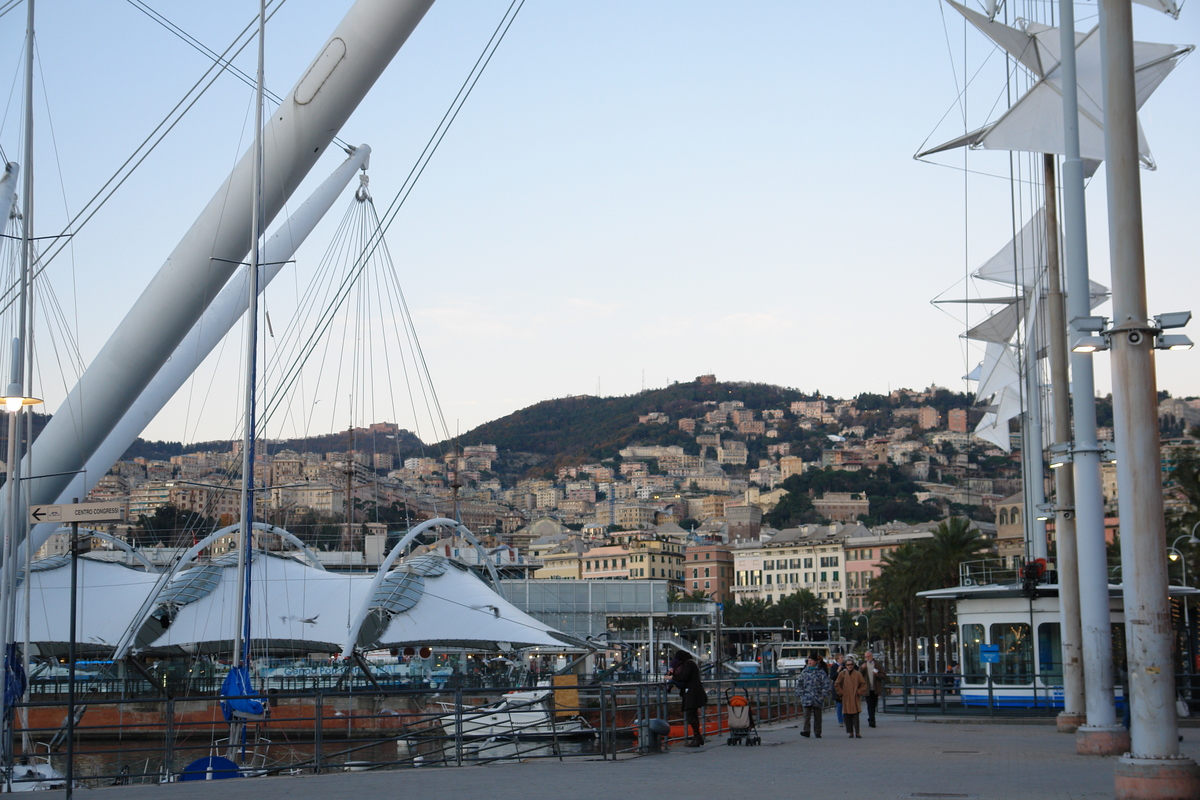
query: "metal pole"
15, 523
246, 531
71, 659
653, 655
1032, 459
1100, 735
1154, 766
1066, 556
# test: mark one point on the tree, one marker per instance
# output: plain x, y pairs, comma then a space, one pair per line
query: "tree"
792, 510
172, 526
801, 607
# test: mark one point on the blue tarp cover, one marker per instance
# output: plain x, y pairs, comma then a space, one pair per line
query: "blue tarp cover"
234, 702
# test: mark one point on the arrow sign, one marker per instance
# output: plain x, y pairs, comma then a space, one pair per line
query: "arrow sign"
77, 512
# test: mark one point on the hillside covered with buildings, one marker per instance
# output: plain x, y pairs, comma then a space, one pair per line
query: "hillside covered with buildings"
722, 489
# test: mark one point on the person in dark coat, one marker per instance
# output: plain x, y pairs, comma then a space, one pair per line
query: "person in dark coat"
686, 676
875, 676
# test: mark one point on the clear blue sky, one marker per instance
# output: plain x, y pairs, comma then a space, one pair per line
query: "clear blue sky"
636, 193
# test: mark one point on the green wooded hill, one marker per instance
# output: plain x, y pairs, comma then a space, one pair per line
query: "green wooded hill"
583, 429
405, 443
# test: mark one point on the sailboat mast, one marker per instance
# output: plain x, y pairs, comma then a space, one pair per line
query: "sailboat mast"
246, 534
8, 580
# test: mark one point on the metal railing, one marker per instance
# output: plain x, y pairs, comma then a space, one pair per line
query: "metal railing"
923, 693
154, 740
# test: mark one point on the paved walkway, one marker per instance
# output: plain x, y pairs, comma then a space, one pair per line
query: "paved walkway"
899, 759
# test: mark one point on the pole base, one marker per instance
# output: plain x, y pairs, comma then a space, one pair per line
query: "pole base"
1171, 778
1094, 740
1070, 721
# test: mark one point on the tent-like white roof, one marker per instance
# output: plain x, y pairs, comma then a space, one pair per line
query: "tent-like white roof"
427, 600
460, 610
294, 608
106, 595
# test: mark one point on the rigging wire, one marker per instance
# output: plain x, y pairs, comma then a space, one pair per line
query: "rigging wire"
375, 240
141, 152
211, 54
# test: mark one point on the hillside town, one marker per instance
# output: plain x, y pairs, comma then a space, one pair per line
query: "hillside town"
709, 515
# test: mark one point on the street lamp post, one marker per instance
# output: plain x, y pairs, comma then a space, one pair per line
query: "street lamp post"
1187, 623
868, 622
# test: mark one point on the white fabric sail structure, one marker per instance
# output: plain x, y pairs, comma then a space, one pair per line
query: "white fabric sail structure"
297, 608
106, 596
994, 425
1165, 6
480, 616
998, 370
999, 327
1018, 262
1035, 122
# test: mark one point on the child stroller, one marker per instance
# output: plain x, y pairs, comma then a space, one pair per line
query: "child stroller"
740, 714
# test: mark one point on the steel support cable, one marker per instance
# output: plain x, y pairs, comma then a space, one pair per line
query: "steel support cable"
310, 299
139, 155
326, 319
396, 204
414, 343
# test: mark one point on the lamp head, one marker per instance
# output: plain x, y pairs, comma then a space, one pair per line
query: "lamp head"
1174, 319
1089, 344
1173, 341
14, 398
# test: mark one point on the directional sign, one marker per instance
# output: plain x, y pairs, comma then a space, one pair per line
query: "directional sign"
989, 653
78, 512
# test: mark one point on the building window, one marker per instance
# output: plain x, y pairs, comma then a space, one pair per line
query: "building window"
1003, 519
706, 572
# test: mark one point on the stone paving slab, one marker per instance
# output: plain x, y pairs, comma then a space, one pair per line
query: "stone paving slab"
899, 759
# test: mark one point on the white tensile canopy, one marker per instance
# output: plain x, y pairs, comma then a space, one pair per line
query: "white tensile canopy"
106, 595
295, 608
479, 615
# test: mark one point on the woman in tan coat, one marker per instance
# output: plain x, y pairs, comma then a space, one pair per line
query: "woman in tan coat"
851, 688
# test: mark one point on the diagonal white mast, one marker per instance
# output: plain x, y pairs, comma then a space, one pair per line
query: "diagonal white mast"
300, 130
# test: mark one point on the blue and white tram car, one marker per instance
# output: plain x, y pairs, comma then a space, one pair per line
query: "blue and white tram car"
1010, 645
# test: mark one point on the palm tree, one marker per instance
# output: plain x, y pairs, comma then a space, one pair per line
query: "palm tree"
902, 576
955, 540
801, 607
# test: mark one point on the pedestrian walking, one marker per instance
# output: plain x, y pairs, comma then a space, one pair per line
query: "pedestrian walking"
851, 687
839, 662
814, 687
686, 676
873, 672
